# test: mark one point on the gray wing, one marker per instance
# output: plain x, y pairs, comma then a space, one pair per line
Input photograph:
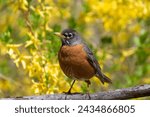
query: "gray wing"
92, 60
94, 63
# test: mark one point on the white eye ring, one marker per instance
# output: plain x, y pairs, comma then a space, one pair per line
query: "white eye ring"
70, 35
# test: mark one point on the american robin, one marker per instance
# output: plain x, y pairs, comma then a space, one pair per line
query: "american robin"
77, 60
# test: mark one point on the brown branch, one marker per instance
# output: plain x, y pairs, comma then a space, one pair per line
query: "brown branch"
27, 20
119, 94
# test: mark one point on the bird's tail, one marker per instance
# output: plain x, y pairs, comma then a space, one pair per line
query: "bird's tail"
103, 78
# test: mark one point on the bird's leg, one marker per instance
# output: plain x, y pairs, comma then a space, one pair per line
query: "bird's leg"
88, 84
69, 91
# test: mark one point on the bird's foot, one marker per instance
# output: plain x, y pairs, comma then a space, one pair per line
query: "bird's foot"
88, 96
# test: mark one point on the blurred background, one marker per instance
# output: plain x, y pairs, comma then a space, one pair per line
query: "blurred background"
118, 32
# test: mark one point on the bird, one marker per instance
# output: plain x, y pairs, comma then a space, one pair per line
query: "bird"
76, 59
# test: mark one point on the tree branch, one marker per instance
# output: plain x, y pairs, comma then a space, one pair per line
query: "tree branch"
119, 94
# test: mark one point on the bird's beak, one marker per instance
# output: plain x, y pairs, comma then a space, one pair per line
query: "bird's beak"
59, 35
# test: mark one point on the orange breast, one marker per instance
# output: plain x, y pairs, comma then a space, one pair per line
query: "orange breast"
74, 63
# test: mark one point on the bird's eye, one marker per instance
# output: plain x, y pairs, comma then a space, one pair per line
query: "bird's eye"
70, 35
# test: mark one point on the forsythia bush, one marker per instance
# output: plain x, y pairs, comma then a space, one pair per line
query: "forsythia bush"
118, 28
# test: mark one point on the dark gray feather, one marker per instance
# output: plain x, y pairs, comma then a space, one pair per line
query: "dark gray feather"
94, 63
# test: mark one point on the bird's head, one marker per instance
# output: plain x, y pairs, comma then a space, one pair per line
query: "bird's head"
69, 37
